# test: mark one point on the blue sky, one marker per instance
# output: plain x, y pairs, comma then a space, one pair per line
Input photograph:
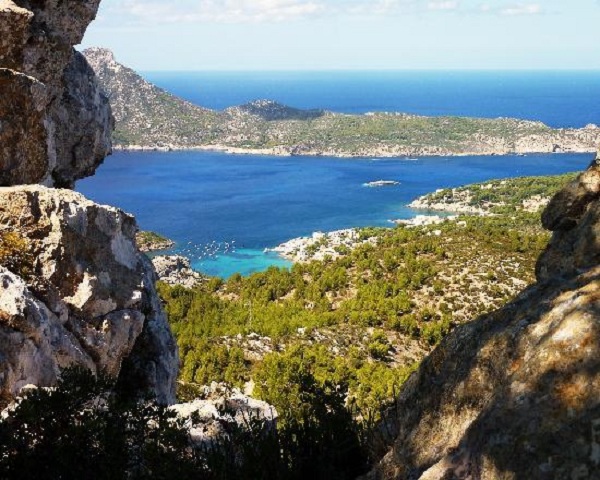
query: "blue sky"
350, 34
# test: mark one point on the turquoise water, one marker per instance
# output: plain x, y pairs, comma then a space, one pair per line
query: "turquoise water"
224, 210
244, 260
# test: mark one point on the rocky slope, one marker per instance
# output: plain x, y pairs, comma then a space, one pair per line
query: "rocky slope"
150, 118
55, 123
75, 290
516, 394
144, 111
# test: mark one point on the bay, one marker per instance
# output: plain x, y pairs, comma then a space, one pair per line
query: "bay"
223, 210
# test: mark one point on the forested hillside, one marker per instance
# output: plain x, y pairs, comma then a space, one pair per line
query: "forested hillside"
362, 322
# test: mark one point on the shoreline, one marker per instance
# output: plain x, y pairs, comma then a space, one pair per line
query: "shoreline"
337, 243
286, 152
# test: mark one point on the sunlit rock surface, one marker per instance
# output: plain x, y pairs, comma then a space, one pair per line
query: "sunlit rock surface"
89, 300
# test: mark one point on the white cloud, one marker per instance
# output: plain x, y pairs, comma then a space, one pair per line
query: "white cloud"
222, 11
237, 11
156, 12
443, 5
512, 10
522, 9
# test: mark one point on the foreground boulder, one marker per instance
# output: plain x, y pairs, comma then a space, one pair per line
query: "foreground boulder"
516, 394
88, 297
55, 123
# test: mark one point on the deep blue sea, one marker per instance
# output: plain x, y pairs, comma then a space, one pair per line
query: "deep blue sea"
558, 98
224, 210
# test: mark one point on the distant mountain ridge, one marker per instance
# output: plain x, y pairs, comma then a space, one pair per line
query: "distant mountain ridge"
148, 117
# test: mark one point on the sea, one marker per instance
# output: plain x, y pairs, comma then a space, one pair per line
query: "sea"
223, 211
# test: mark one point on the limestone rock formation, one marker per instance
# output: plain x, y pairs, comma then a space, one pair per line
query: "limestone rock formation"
55, 123
220, 407
516, 394
89, 298
176, 270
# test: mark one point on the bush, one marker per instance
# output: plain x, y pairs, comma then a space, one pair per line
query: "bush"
79, 430
15, 255
379, 346
318, 436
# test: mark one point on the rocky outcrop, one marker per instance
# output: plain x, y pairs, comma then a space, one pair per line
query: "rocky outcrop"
210, 417
142, 110
574, 214
516, 394
55, 124
176, 270
89, 298
152, 242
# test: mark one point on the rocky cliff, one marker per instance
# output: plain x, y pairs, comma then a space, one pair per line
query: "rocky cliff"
88, 298
74, 289
516, 394
55, 122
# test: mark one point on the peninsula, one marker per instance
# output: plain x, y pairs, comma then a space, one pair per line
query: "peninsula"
150, 118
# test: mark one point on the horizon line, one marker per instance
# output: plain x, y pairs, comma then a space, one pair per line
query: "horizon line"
376, 70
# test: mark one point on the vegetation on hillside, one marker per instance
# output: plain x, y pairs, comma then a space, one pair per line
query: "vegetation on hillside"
360, 322
501, 196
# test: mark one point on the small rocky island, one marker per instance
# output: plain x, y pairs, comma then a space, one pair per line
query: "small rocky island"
381, 183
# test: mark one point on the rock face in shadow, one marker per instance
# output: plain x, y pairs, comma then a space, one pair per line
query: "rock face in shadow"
88, 299
55, 124
516, 394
